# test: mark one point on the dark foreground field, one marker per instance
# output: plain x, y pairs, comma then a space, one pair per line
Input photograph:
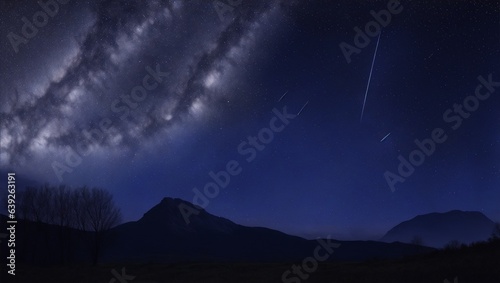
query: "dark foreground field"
479, 263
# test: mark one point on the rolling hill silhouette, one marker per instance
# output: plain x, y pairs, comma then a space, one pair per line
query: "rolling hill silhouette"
438, 229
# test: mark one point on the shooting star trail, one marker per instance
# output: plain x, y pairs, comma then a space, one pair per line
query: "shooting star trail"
385, 137
369, 78
302, 108
283, 96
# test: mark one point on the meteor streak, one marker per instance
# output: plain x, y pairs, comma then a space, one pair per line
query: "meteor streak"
383, 139
302, 108
369, 78
283, 96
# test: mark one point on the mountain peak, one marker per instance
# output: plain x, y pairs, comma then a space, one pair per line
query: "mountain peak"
170, 208
179, 215
168, 237
438, 229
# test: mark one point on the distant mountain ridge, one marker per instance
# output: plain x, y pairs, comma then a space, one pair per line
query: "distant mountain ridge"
162, 235
438, 229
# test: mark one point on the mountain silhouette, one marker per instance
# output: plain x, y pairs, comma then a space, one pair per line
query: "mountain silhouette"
439, 229
162, 235
165, 236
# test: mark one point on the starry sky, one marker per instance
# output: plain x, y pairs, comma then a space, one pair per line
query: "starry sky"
146, 98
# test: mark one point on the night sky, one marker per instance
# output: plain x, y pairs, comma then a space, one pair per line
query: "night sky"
173, 90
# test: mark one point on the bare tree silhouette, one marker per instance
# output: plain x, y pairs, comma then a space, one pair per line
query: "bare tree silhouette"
62, 216
80, 221
102, 214
42, 205
25, 203
91, 210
